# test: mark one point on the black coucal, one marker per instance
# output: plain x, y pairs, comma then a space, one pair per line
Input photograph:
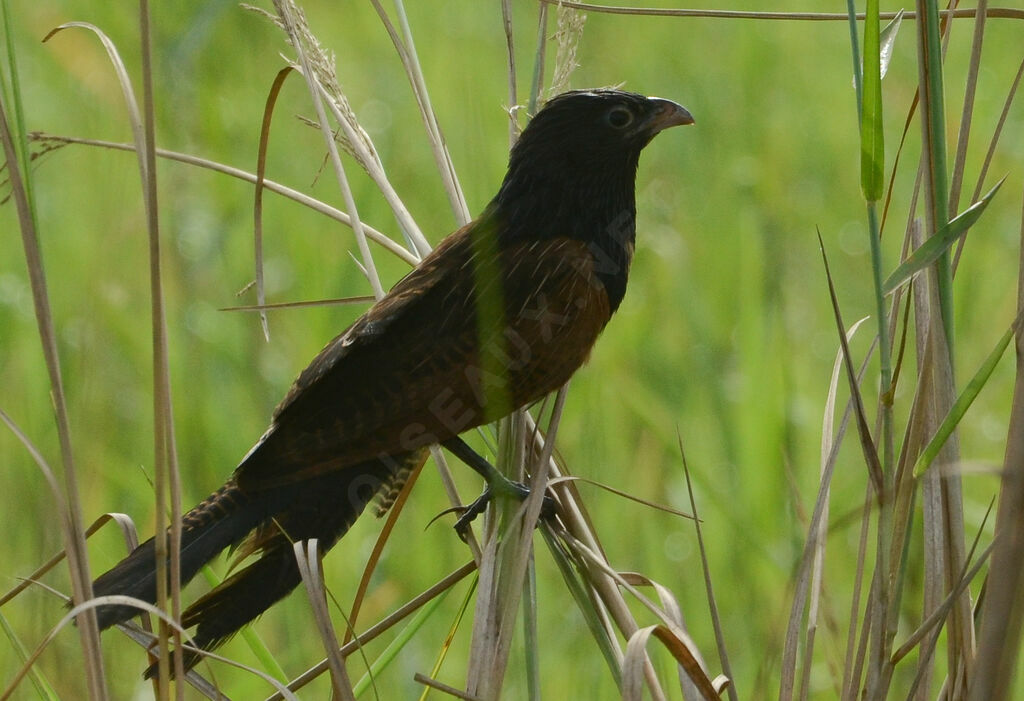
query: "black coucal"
501, 313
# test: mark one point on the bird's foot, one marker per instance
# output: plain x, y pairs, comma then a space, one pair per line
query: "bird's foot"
503, 488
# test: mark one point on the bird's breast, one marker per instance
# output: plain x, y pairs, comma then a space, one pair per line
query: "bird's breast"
555, 308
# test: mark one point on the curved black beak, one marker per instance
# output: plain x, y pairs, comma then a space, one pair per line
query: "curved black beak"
666, 114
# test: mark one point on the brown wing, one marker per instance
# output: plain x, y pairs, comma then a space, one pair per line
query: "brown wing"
418, 368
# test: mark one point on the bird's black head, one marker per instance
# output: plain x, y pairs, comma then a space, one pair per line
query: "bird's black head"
586, 135
573, 170
595, 127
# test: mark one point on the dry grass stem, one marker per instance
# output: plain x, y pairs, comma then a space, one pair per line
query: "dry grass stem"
569, 30
69, 505
995, 12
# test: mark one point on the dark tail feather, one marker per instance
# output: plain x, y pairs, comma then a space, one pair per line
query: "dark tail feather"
238, 600
245, 595
324, 509
221, 520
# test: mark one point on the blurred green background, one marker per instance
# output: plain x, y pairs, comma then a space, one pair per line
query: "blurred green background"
726, 337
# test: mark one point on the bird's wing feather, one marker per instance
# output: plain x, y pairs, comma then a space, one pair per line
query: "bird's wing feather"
421, 282
410, 373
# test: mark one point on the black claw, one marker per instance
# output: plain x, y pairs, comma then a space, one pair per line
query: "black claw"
507, 488
497, 485
471, 512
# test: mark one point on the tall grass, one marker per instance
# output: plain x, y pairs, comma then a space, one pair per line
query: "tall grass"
844, 557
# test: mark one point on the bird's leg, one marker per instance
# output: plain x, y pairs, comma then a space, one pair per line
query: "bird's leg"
497, 485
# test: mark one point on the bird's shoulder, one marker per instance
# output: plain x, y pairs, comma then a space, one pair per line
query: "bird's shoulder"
435, 274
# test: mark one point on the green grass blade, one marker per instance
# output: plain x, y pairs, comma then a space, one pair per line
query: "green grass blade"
872, 142
399, 643
888, 42
42, 686
584, 603
934, 118
851, 11
930, 251
963, 403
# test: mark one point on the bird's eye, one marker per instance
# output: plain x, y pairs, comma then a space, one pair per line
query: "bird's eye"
619, 117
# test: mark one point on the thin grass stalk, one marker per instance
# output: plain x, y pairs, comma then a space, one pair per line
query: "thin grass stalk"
883, 624
518, 550
485, 613
510, 56
166, 473
378, 548
918, 427
872, 185
507, 548
856, 650
980, 185
605, 588
307, 557
858, 78
816, 531
934, 622
288, 19
692, 665
531, 636
10, 87
877, 607
381, 627
995, 12
819, 535
716, 621
257, 194
71, 516
934, 146
960, 641
42, 687
670, 627
942, 508
594, 613
131, 106
454, 628
406, 48
1002, 615
375, 235
960, 673
495, 596
400, 642
968, 110
537, 82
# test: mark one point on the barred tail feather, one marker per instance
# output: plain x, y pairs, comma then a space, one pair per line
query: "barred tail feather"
325, 511
223, 519
324, 508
